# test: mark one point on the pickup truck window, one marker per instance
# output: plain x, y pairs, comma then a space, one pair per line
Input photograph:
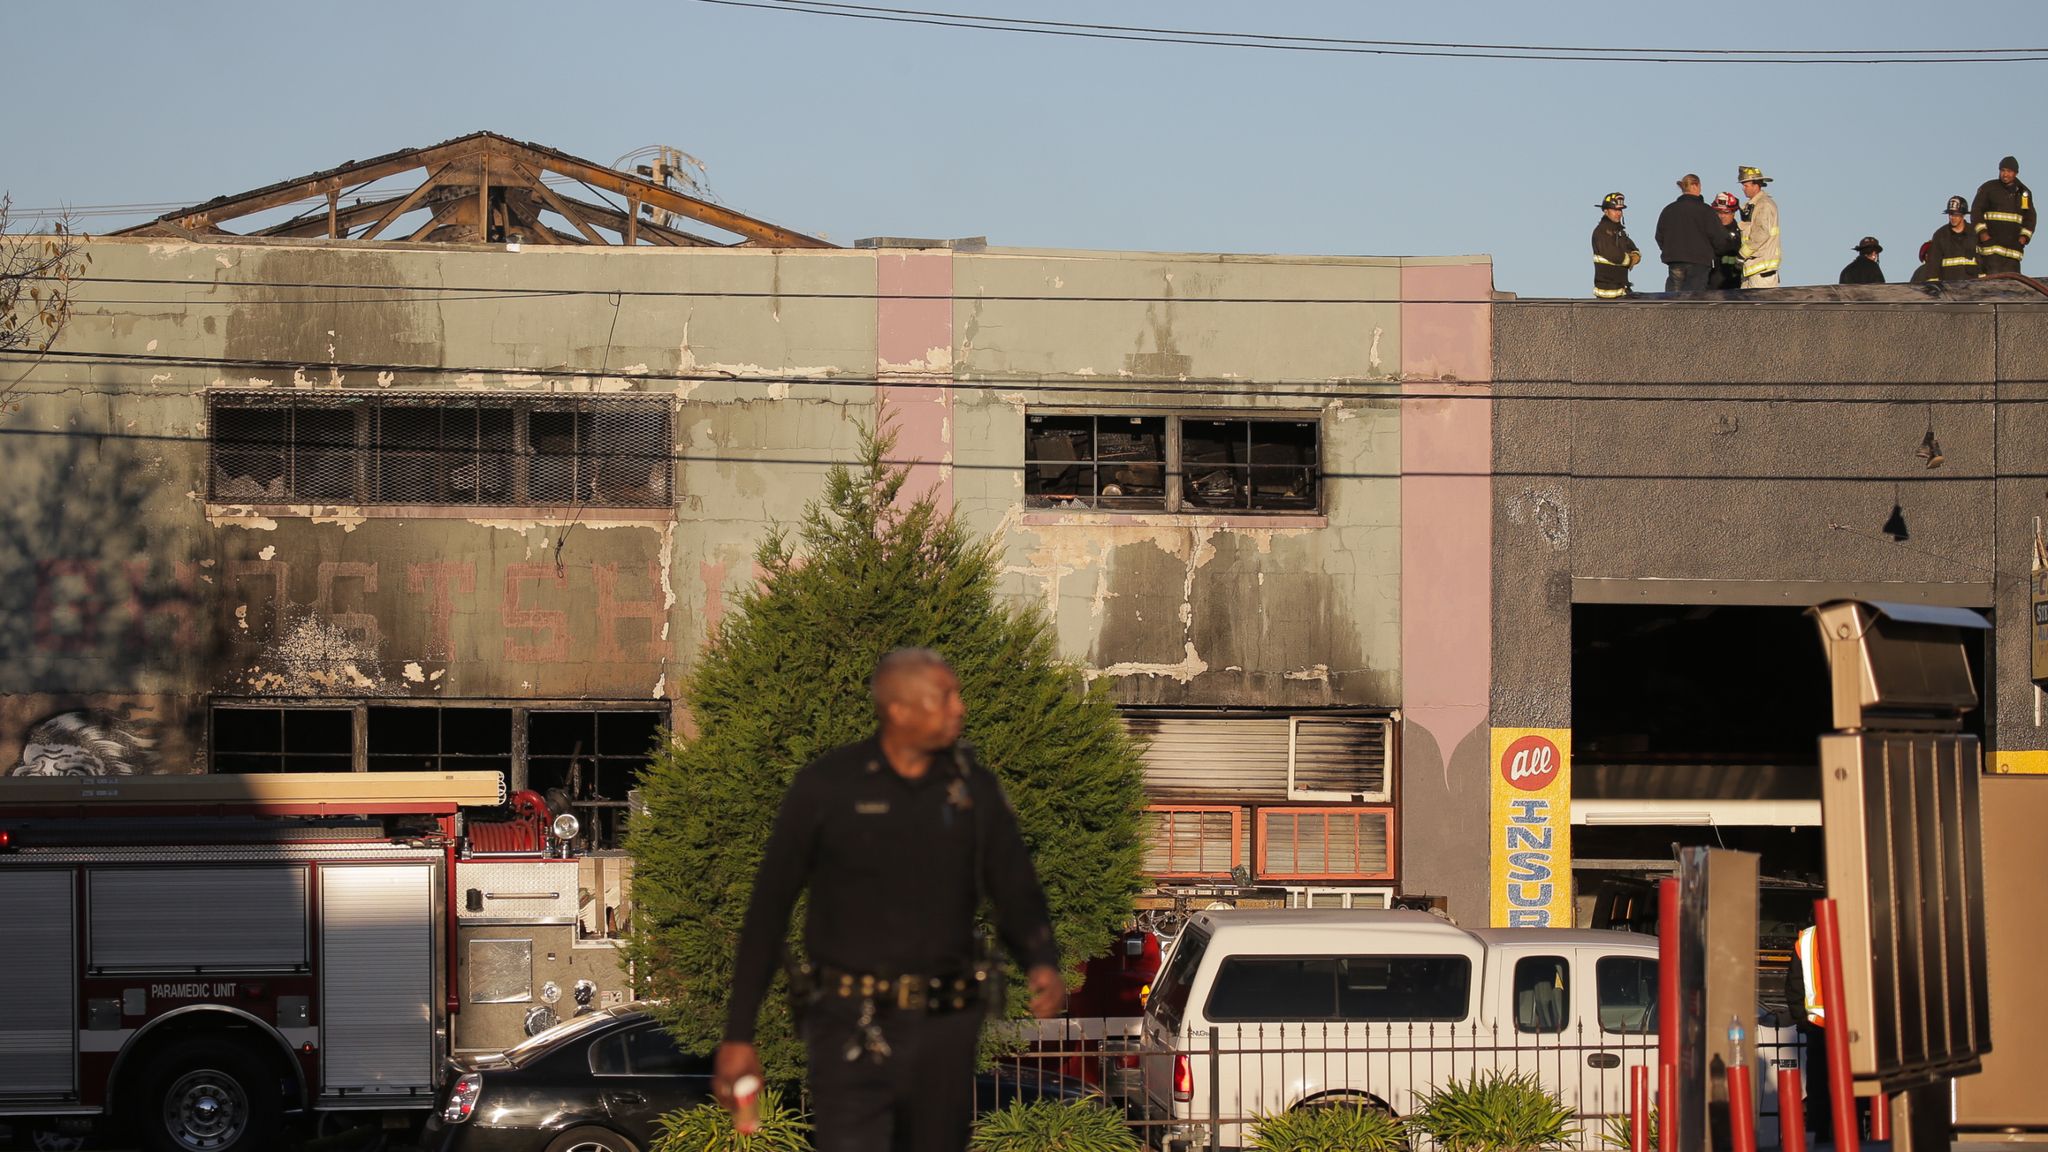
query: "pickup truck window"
1628, 993
1350, 989
1169, 998
1543, 994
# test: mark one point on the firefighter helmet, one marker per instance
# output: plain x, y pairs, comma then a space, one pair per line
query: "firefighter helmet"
1726, 202
1957, 206
1613, 200
1749, 175
1869, 244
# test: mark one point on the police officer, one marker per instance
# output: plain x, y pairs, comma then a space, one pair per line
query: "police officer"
897, 838
2004, 214
1760, 248
1952, 253
1613, 252
1728, 269
1864, 268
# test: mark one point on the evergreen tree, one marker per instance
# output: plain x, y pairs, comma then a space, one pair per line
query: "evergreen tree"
785, 679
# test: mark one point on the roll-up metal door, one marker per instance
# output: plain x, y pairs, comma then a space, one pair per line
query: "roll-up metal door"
1201, 758
39, 1030
198, 919
377, 979
1340, 758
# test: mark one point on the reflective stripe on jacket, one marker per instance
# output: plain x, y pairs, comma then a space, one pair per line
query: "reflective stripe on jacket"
1760, 250
2002, 218
1611, 250
1953, 255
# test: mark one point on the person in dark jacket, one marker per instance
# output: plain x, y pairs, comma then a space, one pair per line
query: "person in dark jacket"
1613, 252
1952, 253
1728, 268
2004, 215
1688, 239
897, 838
1864, 268
1926, 272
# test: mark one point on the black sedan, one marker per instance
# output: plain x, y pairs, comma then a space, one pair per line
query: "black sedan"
598, 1083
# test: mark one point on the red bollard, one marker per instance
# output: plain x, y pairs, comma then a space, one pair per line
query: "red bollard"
1791, 1111
1639, 1109
1668, 1013
1841, 1088
1667, 1107
1741, 1109
1881, 1117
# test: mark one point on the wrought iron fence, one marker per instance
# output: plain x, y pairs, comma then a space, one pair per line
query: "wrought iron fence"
1202, 1088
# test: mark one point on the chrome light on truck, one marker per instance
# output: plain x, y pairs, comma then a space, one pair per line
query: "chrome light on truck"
462, 1098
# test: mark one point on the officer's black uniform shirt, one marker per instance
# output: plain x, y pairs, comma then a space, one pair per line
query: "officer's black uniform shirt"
1862, 271
889, 863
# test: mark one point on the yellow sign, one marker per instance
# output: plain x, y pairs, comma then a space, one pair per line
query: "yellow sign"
1531, 828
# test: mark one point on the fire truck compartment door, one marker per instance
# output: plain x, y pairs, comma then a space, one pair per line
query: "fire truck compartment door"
38, 1032
377, 979
198, 919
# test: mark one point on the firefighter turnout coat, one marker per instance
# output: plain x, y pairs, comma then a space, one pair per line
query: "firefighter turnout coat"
1613, 255
1760, 238
2002, 218
1952, 255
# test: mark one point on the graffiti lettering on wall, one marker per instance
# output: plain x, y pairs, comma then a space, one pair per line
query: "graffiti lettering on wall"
88, 742
347, 630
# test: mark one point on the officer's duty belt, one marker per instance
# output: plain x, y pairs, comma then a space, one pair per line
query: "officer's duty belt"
907, 992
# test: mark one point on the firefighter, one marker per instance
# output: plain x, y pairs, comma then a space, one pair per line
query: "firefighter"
1952, 254
1613, 252
1728, 267
1864, 268
2003, 213
1760, 249
1926, 273
897, 838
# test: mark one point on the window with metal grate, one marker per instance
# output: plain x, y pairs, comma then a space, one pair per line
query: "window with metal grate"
441, 449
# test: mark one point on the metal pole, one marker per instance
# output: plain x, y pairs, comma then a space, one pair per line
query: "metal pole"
1741, 1109
1216, 1087
1881, 1117
1639, 1109
1669, 1008
1791, 1111
1827, 946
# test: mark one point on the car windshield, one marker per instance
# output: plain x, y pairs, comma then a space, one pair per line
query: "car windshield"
541, 1042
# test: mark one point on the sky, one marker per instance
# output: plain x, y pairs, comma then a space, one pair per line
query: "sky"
856, 128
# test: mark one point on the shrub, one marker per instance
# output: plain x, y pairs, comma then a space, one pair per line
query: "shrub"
1053, 1126
1614, 1131
1332, 1127
708, 1128
1494, 1112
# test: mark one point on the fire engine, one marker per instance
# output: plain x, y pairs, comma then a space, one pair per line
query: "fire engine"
202, 956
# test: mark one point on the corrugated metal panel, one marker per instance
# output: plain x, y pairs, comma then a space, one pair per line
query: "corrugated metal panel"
1348, 843
1341, 758
196, 919
179, 854
536, 892
377, 979
1199, 758
39, 1028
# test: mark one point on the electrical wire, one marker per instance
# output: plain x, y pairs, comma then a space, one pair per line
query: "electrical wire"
1364, 48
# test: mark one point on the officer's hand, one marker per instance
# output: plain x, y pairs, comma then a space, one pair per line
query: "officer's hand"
732, 1061
1048, 991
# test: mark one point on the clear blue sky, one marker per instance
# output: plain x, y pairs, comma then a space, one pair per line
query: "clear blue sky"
858, 129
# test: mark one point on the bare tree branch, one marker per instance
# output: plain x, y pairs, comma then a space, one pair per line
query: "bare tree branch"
38, 284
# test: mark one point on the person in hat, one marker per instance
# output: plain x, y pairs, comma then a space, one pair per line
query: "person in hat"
1864, 269
2003, 213
1688, 238
1760, 249
1728, 269
1952, 254
1613, 252
1926, 273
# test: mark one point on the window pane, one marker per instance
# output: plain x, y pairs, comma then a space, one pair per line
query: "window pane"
476, 731
1059, 454
608, 1057
490, 482
1169, 1000
1214, 463
323, 453
1378, 988
653, 1052
1130, 453
627, 459
408, 440
1283, 465
248, 730
404, 732
249, 447
1275, 990
283, 740
552, 439
1627, 991
1542, 994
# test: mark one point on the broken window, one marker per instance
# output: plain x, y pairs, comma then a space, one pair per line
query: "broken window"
441, 449
587, 762
438, 739
252, 740
1124, 462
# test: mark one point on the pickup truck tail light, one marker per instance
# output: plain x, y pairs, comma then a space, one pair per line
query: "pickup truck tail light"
1183, 1079
462, 1098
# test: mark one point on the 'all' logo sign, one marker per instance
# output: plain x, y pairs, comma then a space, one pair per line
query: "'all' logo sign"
1530, 763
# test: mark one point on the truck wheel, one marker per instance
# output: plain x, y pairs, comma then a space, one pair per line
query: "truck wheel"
590, 1139
208, 1097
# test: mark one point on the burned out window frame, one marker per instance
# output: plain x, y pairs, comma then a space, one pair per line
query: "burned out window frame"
1173, 499
379, 446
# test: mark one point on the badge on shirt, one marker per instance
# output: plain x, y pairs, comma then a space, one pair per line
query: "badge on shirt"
872, 807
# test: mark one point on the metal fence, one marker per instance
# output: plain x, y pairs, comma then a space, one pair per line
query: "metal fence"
1203, 1088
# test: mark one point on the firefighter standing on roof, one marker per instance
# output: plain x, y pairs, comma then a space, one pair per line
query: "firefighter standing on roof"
1952, 254
1760, 251
1613, 252
1728, 268
2004, 215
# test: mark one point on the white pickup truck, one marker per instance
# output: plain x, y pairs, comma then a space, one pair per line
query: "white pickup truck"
1258, 1012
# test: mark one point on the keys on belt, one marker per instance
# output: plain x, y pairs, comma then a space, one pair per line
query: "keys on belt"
905, 993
